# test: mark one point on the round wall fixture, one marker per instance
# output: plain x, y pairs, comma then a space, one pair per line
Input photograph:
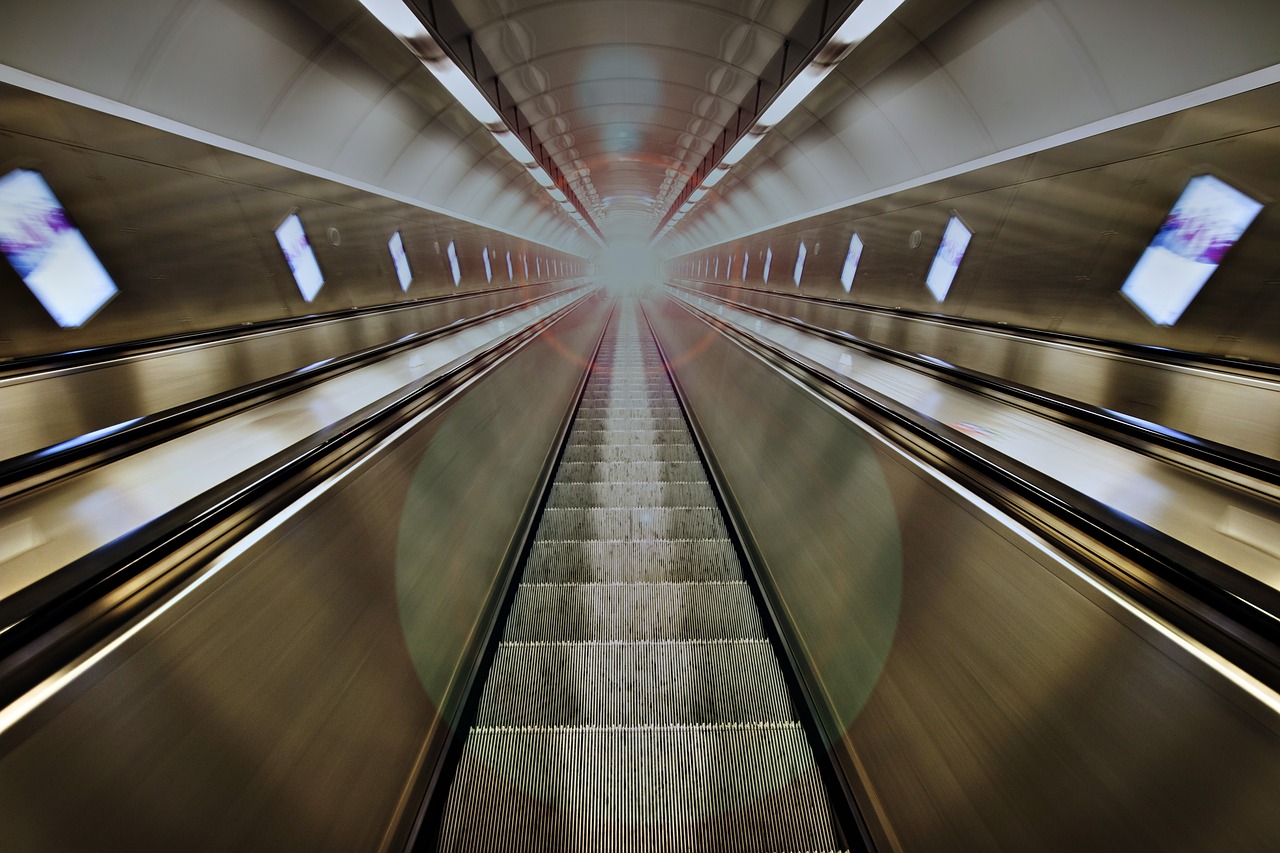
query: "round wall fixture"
914, 240
335, 236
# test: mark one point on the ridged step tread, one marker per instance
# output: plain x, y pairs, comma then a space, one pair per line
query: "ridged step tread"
650, 471
621, 437
582, 523
632, 562
631, 494
605, 424
634, 684
713, 789
631, 453
628, 612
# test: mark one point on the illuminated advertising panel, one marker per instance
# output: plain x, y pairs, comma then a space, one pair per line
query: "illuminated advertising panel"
400, 260
768, 262
945, 263
48, 252
1206, 221
297, 252
799, 271
488, 270
851, 258
453, 265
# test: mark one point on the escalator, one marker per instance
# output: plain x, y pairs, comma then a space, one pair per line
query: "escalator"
634, 701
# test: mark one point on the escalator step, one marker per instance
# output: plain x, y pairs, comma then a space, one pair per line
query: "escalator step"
592, 522
631, 453
620, 437
700, 788
634, 684
632, 562
631, 494
663, 422
652, 471
624, 612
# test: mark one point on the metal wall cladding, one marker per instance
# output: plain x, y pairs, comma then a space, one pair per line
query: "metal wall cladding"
284, 704
989, 698
1056, 233
186, 230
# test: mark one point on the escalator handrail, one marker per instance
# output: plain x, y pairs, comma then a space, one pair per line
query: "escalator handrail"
51, 622
1233, 613
1111, 426
26, 471
88, 357
1165, 356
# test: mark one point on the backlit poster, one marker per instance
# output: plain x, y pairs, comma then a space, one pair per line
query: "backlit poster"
48, 252
1206, 221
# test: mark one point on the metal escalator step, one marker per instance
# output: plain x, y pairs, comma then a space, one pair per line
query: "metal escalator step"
658, 422
631, 453
593, 522
625, 437
652, 471
713, 789
632, 562
634, 684
611, 412
628, 612
631, 494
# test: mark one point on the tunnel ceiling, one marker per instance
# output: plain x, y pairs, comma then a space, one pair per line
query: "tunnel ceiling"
628, 96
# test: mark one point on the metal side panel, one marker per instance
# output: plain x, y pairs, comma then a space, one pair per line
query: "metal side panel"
980, 692
288, 698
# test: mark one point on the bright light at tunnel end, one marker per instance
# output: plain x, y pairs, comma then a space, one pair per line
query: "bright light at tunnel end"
628, 266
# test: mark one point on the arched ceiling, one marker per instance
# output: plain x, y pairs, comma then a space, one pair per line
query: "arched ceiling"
628, 96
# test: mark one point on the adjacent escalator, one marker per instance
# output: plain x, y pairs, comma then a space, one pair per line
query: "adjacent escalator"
634, 701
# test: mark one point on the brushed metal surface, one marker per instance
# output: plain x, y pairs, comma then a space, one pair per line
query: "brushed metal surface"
186, 230
1231, 408
987, 697
46, 407
1055, 235
285, 702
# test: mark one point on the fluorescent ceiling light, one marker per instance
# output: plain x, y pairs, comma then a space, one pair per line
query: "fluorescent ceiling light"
741, 147
790, 97
515, 148
716, 176
540, 175
869, 15
865, 19
697, 195
395, 16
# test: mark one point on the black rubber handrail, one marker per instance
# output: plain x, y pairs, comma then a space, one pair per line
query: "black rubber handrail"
1142, 352
1235, 614
23, 365
40, 467
51, 622
1135, 433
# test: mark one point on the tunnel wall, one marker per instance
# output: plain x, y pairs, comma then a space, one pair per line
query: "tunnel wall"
186, 230
980, 694
287, 702
318, 82
1055, 235
943, 84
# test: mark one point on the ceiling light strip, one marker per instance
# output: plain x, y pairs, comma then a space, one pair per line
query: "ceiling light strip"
405, 25
865, 18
